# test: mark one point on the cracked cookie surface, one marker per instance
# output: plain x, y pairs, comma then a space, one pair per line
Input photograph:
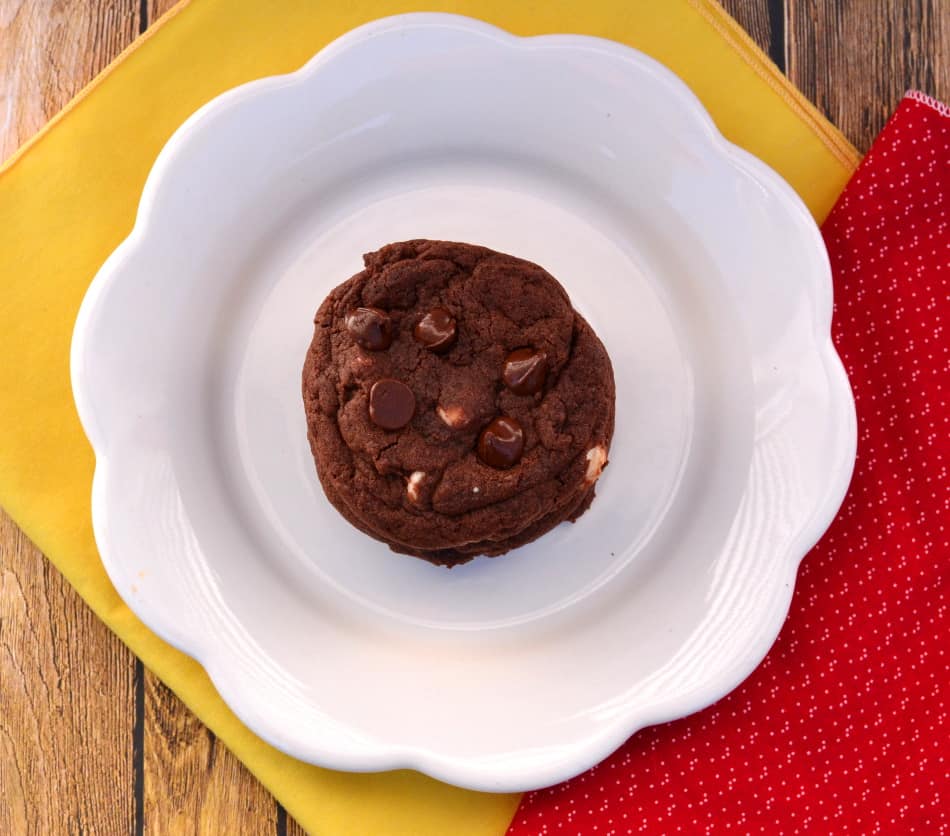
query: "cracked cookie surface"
456, 403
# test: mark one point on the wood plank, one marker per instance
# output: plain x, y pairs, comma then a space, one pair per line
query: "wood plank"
49, 49
192, 784
66, 693
854, 59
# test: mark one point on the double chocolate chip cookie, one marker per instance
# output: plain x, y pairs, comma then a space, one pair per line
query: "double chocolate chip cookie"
457, 405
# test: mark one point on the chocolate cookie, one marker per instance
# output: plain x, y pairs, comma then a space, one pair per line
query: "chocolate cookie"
456, 403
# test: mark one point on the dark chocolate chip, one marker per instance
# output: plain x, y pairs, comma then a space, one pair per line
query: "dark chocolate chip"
436, 330
391, 404
501, 443
371, 328
525, 371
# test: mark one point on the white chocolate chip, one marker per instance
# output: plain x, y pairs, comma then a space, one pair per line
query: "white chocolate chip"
453, 416
412, 488
596, 459
476, 489
362, 361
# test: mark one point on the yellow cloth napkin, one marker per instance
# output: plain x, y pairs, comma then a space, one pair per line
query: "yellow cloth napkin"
69, 197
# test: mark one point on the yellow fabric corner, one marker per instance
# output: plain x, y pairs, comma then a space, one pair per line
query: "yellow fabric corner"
69, 197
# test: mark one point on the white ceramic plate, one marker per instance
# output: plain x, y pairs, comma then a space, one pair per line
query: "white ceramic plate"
697, 265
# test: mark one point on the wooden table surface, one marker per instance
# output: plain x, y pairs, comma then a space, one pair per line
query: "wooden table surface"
91, 742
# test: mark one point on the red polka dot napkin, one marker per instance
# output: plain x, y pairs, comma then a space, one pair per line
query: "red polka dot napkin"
844, 728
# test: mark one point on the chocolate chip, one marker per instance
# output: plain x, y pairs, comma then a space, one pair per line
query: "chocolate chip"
391, 404
501, 443
525, 371
436, 330
371, 328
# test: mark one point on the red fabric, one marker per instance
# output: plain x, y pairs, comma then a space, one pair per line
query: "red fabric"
844, 728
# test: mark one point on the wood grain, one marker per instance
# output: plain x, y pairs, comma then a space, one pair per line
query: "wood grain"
156, 8
66, 694
192, 783
856, 58
90, 741
49, 49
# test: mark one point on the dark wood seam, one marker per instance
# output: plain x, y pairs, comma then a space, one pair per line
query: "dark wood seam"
138, 750
776, 14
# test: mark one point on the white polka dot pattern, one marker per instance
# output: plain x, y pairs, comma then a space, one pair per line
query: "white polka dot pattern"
845, 727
